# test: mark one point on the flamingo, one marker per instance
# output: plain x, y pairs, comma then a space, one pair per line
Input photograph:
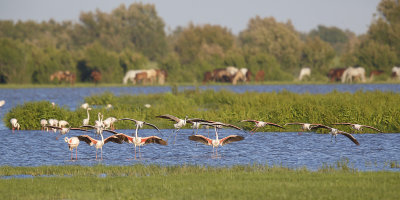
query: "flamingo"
109, 122
62, 123
304, 126
216, 142
98, 144
64, 130
178, 125
86, 121
139, 124
14, 124
358, 127
85, 106
99, 125
139, 141
2, 102
108, 106
73, 143
335, 132
43, 123
53, 122
259, 124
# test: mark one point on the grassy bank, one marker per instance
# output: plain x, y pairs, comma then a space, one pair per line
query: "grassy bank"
378, 109
194, 182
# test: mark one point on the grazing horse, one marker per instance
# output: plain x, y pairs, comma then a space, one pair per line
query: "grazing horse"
357, 73
207, 77
260, 76
96, 76
304, 72
222, 75
130, 75
239, 76
62, 76
161, 76
396, 73
141, 78
336, 74
375, 73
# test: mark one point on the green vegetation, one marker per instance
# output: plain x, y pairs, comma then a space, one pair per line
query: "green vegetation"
196, 182
133, 37
378, 109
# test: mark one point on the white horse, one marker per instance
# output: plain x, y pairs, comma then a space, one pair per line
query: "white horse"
396, 73
130, 75
304, 72
356, 73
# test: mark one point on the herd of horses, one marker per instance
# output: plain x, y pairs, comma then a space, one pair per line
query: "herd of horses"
228, 75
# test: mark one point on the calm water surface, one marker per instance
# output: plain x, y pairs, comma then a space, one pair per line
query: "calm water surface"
35, 148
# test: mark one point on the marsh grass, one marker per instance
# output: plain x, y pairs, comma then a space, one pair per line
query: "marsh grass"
196, 182
378, 109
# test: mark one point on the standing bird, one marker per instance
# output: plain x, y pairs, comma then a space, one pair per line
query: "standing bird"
259, 124
53, 122
216, 142
139, 141
43, 123
334, 132
178, 125
109, 122
358, 127
14, 124
73, 143
86, 121
2, 102
62, 123
98, 144
304, 126
85, 106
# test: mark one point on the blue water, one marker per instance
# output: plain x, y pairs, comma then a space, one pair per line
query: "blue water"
35, 148
291, 149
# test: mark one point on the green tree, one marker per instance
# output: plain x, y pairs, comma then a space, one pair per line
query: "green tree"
14, 61
317, 54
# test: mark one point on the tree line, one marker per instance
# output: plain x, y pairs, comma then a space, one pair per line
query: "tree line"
134, 37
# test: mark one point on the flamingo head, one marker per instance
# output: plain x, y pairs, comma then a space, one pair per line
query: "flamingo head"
66, 139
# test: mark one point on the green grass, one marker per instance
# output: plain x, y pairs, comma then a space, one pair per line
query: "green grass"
196, 182
378, 109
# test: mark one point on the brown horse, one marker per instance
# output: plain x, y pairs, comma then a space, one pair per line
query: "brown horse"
374, 73
63, 76
260, 76
336, 74
161, 76
142, 78
96, 76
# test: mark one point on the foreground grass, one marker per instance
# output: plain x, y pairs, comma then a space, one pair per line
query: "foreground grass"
195, 182
378, 109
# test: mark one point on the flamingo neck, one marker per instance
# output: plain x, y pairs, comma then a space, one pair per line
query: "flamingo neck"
87, 111
216, 133
136, 131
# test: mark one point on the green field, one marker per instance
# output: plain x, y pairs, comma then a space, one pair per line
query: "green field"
196, 182
378, 109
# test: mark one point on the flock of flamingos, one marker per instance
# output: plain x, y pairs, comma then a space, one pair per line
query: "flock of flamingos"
108, 125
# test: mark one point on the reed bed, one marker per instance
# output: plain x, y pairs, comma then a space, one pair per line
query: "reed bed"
197, 182
374, 108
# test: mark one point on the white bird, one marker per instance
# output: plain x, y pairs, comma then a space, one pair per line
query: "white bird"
139, 141
73, 143
108, 106
2, 102
99, 125
62, 123
86, 121
178, 125
53, 122
304, 126
53, 104
334, 132
64, 130
109, 122
259, 124
215, 143
43, 123
85, 106
358, 127
98, 144
14, 124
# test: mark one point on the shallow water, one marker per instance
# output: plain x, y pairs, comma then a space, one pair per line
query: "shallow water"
291, 149
35, 148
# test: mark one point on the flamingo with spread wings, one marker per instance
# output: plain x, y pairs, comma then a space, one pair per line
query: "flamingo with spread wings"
215, 143
335, 132
259, 124
98, 144
358, 127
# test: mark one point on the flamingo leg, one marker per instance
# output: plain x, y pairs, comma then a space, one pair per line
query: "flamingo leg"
76, 154
71, 154
101, 152
96, 153
254, 130
176, 133
140, 154
135, 152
